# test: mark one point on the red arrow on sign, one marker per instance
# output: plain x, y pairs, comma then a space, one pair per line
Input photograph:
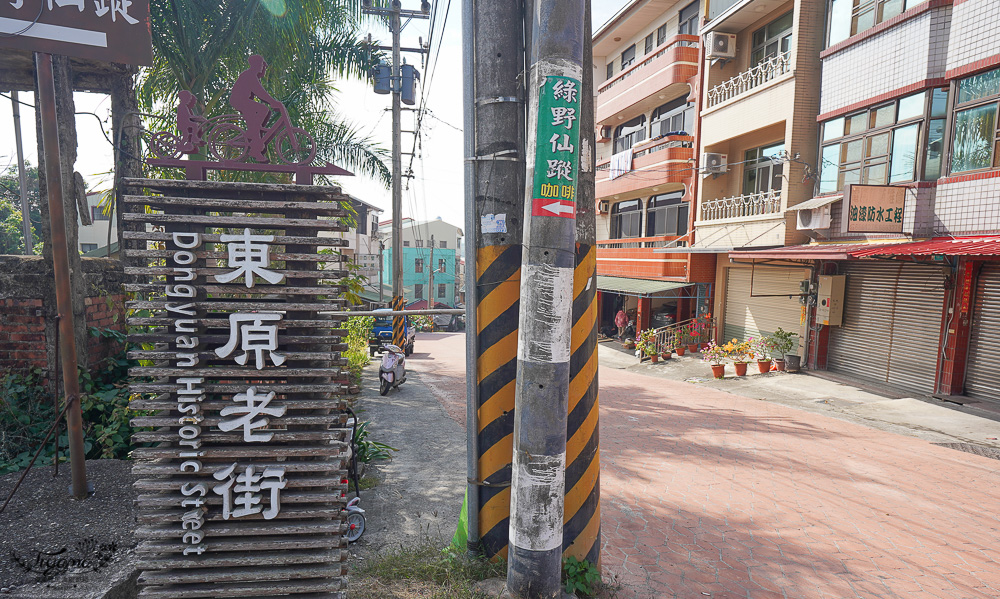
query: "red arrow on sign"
544, 207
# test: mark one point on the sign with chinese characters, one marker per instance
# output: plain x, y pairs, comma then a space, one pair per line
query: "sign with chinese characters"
240, 383
557, 157
873, 209
105, 30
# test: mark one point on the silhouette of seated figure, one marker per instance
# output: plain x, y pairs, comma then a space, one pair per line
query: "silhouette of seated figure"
189, 123
254, 104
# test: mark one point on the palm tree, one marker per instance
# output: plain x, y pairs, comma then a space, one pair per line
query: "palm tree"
200, 46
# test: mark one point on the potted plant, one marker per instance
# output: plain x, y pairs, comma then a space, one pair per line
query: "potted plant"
762, 348
782, 344
666, 354
645, 341
692, 333
716, 355
740, 353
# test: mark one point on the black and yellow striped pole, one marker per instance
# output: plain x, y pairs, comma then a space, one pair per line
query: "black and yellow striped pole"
494, 200
582, 509
398, 330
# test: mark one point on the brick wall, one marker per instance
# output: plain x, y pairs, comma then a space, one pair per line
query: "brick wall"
28, 312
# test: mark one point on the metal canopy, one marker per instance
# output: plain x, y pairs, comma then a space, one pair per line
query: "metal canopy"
639, 287
815, 203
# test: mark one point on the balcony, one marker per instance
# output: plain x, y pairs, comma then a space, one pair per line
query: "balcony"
640, 85
741, 207
661, 161
634, 258
750, 79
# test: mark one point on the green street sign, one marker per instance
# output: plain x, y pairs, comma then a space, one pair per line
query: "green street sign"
557, 148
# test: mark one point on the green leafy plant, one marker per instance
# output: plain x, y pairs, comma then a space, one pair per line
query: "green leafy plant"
368, 450
783, 341
580, 576
716, 354
762, 347
645, 341
423, 323
359, 330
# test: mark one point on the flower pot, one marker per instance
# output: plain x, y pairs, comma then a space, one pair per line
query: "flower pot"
741, 368
680, 351
780, 365
704, 346
666, 355
792, 362
692, 347
653, 358
764, 366
719, 370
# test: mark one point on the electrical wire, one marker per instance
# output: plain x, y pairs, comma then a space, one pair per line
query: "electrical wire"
41, 6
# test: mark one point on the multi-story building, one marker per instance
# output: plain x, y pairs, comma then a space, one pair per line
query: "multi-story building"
646, 61
94, 236
757, 143
423, 265
362, 238
903, 202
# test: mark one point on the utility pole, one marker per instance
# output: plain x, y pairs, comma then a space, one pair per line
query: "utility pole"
394, 13
430, 278
494, 121
22, 176
555, 84
381, 271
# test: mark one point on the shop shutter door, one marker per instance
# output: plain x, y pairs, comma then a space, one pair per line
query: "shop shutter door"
982, 378
753, 316
892, 325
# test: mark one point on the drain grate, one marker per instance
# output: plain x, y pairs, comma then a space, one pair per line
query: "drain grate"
986, 452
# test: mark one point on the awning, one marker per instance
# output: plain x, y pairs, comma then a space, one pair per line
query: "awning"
638, 287
940, 246
815, 203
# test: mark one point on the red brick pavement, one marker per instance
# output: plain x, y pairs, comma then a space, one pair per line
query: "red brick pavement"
707, 494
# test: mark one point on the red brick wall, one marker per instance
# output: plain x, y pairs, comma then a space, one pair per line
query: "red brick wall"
105, 312
22, 334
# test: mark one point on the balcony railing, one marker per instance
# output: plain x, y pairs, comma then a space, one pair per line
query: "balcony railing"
678, 41
754, 204
643, 242
770, 69
673, 336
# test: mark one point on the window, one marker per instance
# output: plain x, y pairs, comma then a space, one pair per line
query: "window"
675, 116
611, 69
688, 18
96, 214
626, 219
442, 289
630, 133
851, 17
661, 34
418, 265
443, 244
762, 169
648, 44
880, 145
406, 244
666, 214
773, 39
88, 247
418, 291
974, 145
628, 57
441, 265
420, 243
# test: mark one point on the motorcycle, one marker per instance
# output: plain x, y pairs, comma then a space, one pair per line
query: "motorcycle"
392, 370
355, 518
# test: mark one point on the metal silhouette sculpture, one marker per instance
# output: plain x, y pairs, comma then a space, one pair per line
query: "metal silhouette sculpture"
240, 141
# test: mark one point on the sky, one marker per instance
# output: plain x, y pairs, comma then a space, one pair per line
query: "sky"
436, 190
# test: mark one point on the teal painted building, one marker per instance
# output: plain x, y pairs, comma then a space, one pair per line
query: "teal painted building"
416, 273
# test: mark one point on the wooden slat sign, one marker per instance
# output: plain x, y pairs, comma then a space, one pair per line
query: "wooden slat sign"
242, 484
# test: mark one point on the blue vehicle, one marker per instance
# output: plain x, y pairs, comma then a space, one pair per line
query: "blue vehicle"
382, 333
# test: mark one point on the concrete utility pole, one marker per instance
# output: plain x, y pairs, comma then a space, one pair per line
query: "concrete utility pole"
493, 88
555, 84
22, 176
430, 277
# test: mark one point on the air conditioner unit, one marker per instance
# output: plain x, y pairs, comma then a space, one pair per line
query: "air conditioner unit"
713, 164
815, 219
603, 206
721, 45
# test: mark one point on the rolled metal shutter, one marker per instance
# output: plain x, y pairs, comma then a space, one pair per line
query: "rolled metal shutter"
892, 325
748, 316
982, 378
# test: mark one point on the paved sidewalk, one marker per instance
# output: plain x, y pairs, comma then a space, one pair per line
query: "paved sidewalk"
706, 494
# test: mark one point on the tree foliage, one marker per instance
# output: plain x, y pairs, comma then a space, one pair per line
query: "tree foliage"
11, 232
201, 46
